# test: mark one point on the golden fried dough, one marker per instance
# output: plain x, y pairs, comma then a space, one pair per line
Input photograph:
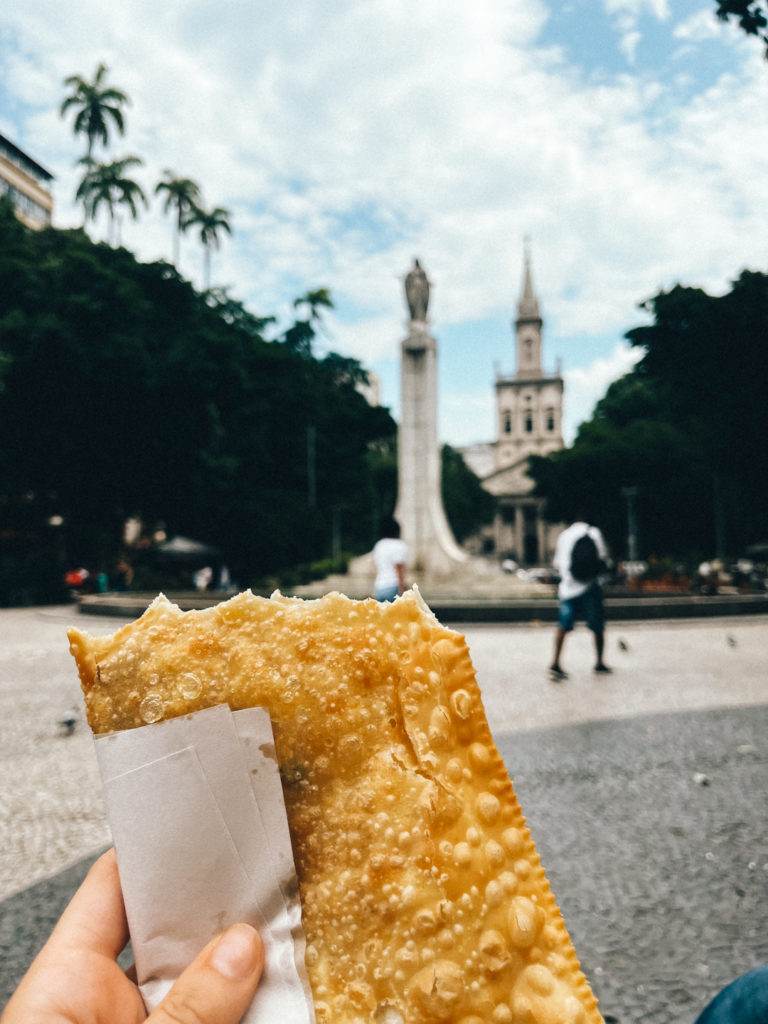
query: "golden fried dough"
423, 897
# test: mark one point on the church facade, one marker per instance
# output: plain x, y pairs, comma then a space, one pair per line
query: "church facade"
529, 418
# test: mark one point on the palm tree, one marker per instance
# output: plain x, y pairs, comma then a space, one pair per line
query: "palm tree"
97, 104
182, 194
209, 223
314, 300
109, 185
299, 337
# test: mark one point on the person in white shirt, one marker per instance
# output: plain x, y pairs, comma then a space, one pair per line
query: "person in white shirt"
579, 592
390, 555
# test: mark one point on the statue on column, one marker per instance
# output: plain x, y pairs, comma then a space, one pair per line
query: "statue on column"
417, 292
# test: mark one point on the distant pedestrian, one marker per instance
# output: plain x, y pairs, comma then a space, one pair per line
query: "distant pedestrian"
203, 578
580, 559
390, 555
123, 574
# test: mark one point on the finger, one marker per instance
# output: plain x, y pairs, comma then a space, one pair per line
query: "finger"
95, 919
75, 972
219, 984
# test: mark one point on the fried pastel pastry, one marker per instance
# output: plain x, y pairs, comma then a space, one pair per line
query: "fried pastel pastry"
423, 897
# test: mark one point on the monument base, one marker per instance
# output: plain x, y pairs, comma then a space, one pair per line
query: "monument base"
475, 578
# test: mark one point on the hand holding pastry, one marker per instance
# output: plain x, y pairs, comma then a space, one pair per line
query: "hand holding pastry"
76, 978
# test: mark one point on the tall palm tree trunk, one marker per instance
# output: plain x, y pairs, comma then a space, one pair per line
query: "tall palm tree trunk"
206, 267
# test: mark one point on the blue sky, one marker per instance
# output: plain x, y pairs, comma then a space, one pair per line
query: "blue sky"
627, 138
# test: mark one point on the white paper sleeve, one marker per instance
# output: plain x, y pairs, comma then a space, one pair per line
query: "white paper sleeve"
196, 809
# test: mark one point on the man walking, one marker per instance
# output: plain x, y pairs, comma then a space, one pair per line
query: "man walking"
580, 558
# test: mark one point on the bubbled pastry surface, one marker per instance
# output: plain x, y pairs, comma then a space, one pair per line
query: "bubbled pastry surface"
423, 897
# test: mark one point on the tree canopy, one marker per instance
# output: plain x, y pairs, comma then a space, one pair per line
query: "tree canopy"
751, 15
183, 195
468, 506
687, 428
97, 106
209, 225
108, 185
125, 391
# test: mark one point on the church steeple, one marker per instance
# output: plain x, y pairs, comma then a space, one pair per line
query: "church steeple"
529, 414
528, 305
528, 325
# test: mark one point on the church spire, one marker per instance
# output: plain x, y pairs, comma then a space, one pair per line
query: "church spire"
528, 305
528, 325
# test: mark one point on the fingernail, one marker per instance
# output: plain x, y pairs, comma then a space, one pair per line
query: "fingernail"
237, 953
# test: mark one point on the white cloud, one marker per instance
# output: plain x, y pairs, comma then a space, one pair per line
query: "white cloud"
348, 138
627, 15
629, 44
585, 386
468, 414
634, 9
701, 25
368, 340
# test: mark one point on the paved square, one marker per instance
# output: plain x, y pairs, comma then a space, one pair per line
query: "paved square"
646, 792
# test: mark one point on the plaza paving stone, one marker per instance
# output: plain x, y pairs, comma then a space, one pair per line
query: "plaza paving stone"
646, 793
654, 834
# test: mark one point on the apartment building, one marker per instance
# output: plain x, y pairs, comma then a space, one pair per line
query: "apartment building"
27, 184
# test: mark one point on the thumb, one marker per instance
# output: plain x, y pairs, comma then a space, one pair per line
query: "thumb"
219, 984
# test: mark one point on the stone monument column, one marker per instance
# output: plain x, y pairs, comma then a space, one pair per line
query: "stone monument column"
432, 549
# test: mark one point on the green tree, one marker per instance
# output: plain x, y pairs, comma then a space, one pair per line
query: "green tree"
468, 506
628, 443
181, 195
97, 106
127, 391
110, 186
300, 335
210, 224
686, 427
751, 15
710, 355
233, 312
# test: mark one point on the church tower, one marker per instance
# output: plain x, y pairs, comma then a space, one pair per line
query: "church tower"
528, 327
529, 404
529, 421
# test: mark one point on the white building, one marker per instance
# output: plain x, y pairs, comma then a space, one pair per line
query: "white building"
529, 417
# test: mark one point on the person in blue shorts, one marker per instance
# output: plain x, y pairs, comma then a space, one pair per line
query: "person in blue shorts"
580, 557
